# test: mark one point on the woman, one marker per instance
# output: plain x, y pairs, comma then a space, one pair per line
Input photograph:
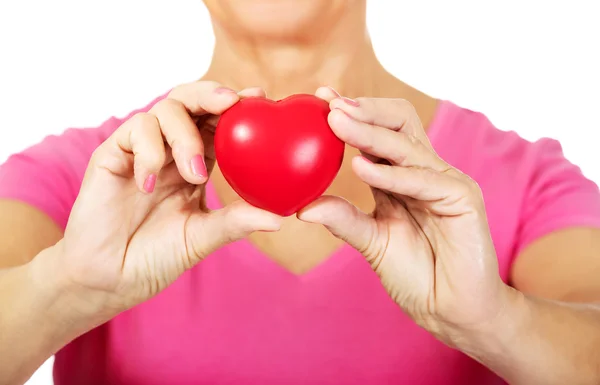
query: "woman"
112, 260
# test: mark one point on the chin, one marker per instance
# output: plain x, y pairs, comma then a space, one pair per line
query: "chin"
277, 18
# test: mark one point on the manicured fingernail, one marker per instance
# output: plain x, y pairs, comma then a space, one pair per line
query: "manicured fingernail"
199, 167
351, 102
224, 90
149, 183
335, 92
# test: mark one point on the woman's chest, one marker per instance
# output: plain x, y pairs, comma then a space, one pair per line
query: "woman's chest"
227, 324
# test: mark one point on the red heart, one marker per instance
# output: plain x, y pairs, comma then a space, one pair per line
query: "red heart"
278, 156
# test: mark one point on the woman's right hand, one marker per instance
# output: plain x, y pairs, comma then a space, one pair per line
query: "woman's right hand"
140, 219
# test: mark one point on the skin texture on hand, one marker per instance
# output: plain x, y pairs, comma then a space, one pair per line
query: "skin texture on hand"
139, 222
428, 238
140, 219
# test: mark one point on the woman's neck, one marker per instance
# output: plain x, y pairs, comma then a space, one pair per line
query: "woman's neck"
341, 57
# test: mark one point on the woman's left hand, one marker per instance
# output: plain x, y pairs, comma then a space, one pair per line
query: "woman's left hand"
428, 237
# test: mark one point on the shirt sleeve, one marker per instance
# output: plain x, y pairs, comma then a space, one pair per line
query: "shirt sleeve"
48, 174
558, 196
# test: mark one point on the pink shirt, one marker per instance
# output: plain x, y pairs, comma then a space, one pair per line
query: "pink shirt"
238, 318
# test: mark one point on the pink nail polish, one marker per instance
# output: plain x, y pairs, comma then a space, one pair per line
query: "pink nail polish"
224, 90
149, 183
335, 92
198, 166
351, 102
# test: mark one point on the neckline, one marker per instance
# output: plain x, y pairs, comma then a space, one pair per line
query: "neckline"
255, 259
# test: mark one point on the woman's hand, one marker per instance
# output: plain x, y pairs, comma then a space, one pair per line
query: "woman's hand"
428, 238
140, 219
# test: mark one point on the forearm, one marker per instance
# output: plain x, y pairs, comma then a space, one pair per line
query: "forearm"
542, 342
36, 318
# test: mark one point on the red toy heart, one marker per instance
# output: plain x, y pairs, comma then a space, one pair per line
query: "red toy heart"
278, 156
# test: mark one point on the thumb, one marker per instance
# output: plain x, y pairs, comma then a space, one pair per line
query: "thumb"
206, 233
343, 220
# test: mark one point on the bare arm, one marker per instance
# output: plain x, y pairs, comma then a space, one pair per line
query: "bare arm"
37, 316
24, 232
54, 288
540, 342
564, 266
543, 339
30, 328
434, 254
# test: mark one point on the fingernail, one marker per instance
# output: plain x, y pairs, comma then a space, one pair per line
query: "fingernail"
198, 166
351, 102
224, 90
149, 183
335, 92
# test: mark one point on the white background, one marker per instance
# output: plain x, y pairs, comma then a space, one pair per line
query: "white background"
531, 66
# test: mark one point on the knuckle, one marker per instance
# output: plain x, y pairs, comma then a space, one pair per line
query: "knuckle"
97, 156
406, 110
175, 145
176, 92
192, 89
409, 144
142, 120
104, 157
403, 105
168, 104
401, 111
210, 84
428, 175
236, 226
180, 90
474, 189
412, 139
471, 188
154, 160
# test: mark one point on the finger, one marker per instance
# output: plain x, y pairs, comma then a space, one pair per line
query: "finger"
179, 128
209, 126
182, 135
204, 97
140, 136
343, 220
426, 185
327, 93
398, 148
394, 114
252, 92
206, 233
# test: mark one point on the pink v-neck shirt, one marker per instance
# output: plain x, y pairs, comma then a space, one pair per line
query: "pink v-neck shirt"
238, 318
